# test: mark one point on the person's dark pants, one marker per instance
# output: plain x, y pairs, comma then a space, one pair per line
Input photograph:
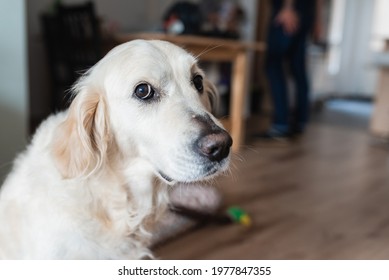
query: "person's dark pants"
290, 49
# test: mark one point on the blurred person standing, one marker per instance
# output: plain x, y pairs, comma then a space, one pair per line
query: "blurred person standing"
291, 23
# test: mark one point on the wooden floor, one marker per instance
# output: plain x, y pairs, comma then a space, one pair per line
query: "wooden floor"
324, 197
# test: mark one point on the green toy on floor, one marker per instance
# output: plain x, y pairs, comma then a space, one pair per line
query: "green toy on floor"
233, 214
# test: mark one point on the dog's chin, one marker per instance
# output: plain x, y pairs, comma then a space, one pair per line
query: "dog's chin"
165, 178
191, 178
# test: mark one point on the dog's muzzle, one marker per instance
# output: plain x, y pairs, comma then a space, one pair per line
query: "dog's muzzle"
207, 156
215, 145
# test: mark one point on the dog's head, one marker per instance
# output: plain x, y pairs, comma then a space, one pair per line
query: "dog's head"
149, 99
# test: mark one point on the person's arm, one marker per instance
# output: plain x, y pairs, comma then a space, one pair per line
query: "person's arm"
317, 31
287, 17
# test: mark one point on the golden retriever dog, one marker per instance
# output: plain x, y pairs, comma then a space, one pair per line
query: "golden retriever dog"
95, 178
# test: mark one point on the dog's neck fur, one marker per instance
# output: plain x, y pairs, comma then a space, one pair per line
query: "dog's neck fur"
132, 206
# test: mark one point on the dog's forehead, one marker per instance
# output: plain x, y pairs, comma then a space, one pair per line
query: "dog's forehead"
159, 53
155, 60
159, 63
177, 59
170, 49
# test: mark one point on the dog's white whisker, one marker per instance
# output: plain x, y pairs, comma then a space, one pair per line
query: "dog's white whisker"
206, 50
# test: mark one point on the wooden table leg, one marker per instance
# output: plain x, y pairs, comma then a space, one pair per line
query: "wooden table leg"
238, 94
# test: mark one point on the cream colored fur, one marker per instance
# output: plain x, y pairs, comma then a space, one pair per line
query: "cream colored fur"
93, 181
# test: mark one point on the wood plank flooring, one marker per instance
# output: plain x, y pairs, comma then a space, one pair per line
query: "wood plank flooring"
325, 196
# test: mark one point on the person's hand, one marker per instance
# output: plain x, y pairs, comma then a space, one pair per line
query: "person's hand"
317, 32
288, 19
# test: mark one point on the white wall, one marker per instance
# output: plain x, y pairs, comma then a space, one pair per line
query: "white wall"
351, 68
380, 24
356, 70
13, 82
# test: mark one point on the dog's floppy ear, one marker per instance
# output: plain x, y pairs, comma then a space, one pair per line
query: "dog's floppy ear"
81, 141
212, 96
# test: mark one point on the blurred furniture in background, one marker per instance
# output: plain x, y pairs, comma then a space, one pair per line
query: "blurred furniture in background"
217, 50
379, 125
73, 43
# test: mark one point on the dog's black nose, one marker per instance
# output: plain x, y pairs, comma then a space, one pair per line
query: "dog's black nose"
215, 146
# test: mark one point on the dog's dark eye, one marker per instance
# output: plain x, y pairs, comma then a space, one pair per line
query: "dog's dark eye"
144, 91
198, 83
